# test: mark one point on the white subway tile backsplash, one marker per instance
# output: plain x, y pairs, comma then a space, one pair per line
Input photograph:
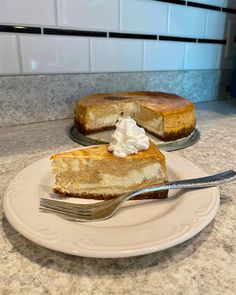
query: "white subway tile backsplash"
187, 21
145, 16
30, 53
211, 2
9, 63
216, 25
54, 54
36, 12
114, 55
163, 55
100, 15
201, 56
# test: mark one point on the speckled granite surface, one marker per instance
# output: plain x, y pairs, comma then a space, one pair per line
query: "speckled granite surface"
203, 265
53, 96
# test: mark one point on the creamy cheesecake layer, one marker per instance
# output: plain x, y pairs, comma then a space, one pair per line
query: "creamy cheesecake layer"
150, 119
134, 179
106, 115
103, 116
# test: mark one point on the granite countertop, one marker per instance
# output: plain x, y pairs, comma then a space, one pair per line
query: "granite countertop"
206, 264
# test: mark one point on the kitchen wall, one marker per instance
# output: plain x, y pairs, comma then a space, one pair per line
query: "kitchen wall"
139, 40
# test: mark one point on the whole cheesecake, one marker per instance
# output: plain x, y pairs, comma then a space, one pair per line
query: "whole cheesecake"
95, 173
165, 115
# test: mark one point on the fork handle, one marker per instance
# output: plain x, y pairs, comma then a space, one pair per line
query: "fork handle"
207, 181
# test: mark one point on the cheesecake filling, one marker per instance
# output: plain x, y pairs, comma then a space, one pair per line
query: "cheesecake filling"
104, 116
154, 125
148, 175
104, 121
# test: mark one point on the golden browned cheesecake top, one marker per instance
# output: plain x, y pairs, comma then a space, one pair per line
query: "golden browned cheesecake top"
101, 152
156, 100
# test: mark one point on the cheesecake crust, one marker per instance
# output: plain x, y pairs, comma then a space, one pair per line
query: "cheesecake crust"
82, 129
153, 195
171, 136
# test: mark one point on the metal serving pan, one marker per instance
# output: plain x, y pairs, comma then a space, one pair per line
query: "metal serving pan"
104, 137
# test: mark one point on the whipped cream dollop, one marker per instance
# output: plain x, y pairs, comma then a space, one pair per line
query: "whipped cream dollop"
128, 138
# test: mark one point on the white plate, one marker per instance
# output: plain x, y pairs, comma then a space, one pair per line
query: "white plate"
139, 228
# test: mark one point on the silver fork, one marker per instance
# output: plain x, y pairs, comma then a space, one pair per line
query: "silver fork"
103, 210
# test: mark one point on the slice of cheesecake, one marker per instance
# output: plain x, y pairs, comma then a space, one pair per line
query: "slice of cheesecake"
95, 173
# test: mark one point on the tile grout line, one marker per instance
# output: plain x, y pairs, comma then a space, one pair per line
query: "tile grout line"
19, 53
168, 19
56, 11
120, 14
143, 55
201, 5
206, 24
185, 55
90, 56
227, 39
218, 57
123, 35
